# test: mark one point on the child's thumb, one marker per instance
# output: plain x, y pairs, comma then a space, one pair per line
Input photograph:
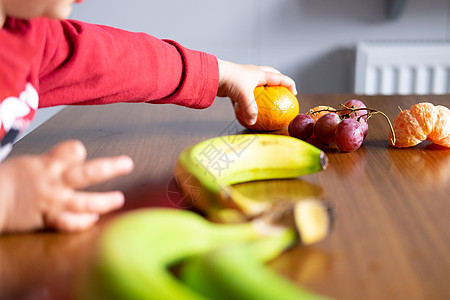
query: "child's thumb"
249, 109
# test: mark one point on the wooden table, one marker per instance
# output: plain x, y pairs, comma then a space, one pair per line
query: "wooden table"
391, 239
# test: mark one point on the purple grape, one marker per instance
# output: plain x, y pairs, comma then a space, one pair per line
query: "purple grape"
354, 103
349, 135
301, 127
325, 127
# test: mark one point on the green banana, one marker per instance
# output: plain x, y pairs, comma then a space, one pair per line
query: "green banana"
237, 272
137, 251
214, 165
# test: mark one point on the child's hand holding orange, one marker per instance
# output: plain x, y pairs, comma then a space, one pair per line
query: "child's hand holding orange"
239, 81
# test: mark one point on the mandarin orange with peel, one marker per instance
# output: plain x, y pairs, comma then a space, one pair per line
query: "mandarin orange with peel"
277, 107
319, 111
423, 121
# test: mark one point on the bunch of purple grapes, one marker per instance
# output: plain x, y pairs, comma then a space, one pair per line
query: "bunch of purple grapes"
346, 127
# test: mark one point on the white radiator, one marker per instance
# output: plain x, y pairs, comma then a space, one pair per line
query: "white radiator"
390, 68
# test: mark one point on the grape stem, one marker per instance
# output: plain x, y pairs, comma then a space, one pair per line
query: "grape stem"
371, 111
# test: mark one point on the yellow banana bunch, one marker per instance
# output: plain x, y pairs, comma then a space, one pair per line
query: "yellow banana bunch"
211, 167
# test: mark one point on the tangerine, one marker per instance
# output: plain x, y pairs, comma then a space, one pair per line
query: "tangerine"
441, 132
423, 121
322, 110
277, 107
407, 130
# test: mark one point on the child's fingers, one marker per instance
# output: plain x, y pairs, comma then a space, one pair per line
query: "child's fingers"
72, 222
83, 210
247, 104
68, 152
272, 78
98, 170
269, 69
94, 202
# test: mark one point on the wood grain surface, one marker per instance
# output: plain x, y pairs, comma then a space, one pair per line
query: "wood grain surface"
391, 238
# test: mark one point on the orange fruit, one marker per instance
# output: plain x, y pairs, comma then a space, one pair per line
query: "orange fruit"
441, 131
426, 115
423, 121
277, 106
407, 130
316, 116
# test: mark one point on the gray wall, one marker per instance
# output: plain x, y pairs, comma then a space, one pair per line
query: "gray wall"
311, 40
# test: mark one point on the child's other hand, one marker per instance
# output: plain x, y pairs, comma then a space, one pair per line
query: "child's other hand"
41, 191
239, 81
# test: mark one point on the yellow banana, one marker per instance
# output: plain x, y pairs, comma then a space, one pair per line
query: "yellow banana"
211, 167
138, 250
226, 160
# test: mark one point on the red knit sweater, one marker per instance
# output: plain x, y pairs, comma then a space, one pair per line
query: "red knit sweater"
47, 63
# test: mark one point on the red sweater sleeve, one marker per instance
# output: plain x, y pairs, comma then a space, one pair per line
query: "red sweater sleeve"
93, 64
